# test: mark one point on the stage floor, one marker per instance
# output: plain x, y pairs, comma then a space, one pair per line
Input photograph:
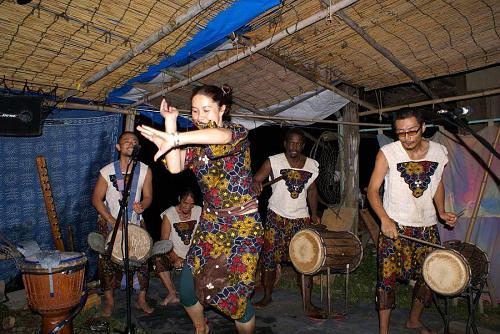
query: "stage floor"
283, 315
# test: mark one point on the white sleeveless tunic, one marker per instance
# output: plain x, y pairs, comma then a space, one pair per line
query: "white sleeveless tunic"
180, 247
113, 195
281, 202
410, 185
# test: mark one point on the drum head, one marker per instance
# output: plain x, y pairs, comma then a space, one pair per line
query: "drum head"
446, 272
40, 262
139, 245
307, 251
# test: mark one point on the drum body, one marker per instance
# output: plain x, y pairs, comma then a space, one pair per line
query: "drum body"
139, 246
450, 271
312, 250
476, 258
54, 300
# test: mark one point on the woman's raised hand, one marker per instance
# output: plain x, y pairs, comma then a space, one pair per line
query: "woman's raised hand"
170, 114
164, 141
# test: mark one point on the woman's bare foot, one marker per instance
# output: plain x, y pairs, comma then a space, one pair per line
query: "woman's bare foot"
205, 330
171, 298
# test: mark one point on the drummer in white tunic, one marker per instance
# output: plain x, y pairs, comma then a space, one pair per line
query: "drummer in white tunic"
107, 194
411, 168
178, 225
288, 210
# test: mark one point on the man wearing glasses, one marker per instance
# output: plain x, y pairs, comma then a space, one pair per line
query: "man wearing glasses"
413, 191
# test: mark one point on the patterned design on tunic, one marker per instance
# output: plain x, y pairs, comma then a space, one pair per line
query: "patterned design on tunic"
417, 174
185, 230
295, 180
278, 233
224, 176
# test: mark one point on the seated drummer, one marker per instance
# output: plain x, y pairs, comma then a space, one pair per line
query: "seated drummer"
287, 211
106, 197
179, 223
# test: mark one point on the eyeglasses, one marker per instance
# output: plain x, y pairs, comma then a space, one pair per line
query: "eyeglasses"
411, 133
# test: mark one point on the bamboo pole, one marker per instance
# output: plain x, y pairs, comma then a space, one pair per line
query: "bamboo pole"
473, 218
301, 119
94, 108
487, 92
251, 50
186, 112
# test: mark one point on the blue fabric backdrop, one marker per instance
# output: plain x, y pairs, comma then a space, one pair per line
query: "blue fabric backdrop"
75, 144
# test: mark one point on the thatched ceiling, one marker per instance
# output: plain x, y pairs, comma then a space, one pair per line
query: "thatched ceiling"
66, 42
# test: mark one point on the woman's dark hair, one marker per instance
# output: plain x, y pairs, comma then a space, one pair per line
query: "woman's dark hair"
187, 191
222, 95
406, 113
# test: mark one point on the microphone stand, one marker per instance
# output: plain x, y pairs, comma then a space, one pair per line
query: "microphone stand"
122, 217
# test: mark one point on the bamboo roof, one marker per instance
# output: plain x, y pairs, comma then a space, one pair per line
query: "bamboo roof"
66, 42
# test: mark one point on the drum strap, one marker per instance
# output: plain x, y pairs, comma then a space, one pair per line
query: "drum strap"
49, 260
120, 181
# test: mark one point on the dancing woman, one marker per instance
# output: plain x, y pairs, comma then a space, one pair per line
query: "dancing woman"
221, 263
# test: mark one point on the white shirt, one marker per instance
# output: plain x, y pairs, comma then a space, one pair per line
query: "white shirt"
181, 242
410, 185
113, 195
281, 201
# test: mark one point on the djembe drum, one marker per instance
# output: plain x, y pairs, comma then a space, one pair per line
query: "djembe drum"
450, 271
139, 246
55, 291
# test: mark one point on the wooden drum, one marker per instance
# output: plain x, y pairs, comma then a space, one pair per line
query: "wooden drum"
450, 271
139, 246
54, 293
312, 250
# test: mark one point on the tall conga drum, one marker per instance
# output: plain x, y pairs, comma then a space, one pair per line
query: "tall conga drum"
54, 290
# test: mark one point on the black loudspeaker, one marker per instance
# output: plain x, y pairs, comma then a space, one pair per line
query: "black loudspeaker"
20, 115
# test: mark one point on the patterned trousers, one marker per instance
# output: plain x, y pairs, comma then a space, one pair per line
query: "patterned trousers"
402, 260
278, 232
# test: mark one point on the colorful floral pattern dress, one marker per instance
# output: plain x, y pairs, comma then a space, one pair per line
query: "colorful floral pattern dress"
225, 249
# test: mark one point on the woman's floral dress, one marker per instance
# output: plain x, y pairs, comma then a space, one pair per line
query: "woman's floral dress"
225, 249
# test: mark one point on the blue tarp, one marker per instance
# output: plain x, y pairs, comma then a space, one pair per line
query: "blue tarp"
214, 34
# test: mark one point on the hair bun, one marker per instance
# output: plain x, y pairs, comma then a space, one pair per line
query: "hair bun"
226, 89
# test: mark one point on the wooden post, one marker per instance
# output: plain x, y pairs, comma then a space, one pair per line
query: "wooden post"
129, 123
351, 157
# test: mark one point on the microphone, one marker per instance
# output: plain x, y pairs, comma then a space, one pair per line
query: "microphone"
457, 112
135, 151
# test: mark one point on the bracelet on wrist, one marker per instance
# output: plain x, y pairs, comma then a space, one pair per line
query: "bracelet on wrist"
175, 139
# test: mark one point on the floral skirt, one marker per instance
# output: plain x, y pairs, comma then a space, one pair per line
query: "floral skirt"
223, 258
